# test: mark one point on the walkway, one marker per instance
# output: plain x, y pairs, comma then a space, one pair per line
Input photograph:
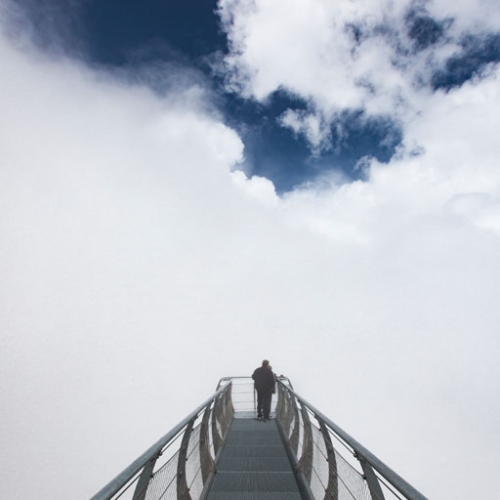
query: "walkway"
254, 465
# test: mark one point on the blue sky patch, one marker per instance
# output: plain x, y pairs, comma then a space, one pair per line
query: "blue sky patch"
133, 34
424, 31
286, 159
477, 51
116, 29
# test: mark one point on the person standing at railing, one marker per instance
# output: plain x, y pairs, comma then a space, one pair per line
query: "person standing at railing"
264, 381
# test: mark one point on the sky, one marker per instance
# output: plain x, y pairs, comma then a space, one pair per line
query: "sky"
189, 187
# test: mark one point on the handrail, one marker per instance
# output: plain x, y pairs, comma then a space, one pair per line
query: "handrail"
115, 485
395, 479
281, 378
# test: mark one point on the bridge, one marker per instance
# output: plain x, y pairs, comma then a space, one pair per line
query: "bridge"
221, 452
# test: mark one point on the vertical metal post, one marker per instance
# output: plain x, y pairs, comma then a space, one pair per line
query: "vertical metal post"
402, 486
306, 460
216, 437
146, 475
127, 475
283, 413
294, 438
206, 461
228, 408
332, 490
182, 486
371, 479
279, 403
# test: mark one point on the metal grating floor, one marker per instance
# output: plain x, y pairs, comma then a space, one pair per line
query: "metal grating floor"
254, 465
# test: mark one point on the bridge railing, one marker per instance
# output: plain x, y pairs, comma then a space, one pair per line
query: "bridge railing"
179, 465
330, 464
243, 396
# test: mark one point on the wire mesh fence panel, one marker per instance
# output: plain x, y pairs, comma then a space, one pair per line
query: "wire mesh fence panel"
346, 451
194, 478
349, 473
242, 395
163, 484
330, 475
319, 475
351, 484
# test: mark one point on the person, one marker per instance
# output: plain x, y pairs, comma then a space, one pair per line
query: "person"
264, 382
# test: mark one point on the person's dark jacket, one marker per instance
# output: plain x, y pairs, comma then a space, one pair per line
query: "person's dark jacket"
264, 379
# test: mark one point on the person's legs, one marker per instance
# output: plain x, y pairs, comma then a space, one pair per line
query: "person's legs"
267, 404
260, 403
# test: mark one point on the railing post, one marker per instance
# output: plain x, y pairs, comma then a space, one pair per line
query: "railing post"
279, 403
386, 472
294, 437
182, 486
371, 479
146, 474
216, 437
283, 411
306, 459
228, 407
207, 464
120, 481
332, 490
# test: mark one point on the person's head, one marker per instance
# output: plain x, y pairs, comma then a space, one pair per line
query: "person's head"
265, 363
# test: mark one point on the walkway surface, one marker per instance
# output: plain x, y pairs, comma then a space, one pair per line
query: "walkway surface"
254, 465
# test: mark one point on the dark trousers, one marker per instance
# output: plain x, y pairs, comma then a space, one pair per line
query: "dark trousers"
264, 397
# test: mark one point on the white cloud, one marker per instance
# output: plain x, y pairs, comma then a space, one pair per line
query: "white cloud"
137, 269
311, 125
456, 173
259, 188
467, 15
309, 48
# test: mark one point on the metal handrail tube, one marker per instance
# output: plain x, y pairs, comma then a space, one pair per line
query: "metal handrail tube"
115, 485
227, 379
395, 479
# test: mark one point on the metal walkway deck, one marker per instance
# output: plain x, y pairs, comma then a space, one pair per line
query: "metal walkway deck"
254, 465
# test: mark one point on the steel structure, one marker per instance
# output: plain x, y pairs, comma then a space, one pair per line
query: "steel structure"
220, 452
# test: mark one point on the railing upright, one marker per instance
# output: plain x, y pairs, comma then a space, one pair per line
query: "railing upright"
332, 489
368, 461
146, 462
